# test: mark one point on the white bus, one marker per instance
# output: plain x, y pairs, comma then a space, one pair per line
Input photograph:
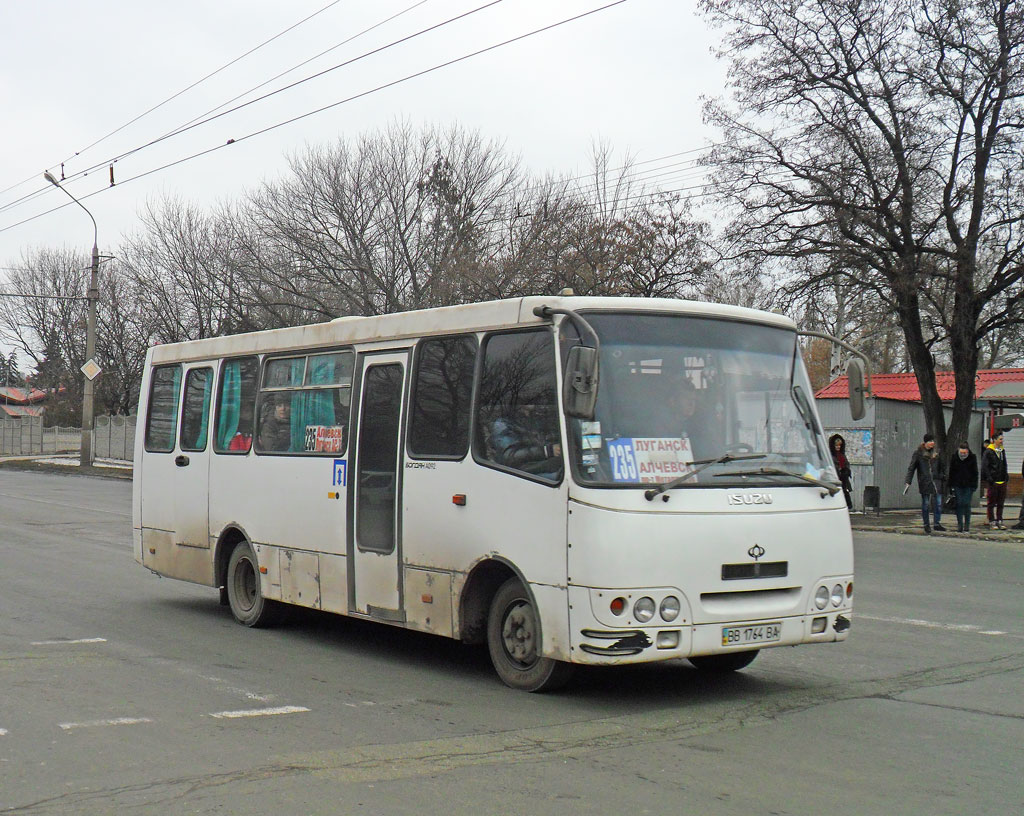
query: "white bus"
568, 479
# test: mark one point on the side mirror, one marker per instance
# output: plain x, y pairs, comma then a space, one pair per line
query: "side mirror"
855, 377
579, 392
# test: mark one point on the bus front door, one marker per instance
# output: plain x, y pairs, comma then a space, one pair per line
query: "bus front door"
376, 551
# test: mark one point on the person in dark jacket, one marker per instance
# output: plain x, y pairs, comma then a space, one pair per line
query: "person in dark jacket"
995, 473
963, 479
837, 447
927, 466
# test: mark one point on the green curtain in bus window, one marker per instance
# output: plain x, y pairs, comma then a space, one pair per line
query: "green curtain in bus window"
314, 407
229, 409
320, 405
298, 417
204, 425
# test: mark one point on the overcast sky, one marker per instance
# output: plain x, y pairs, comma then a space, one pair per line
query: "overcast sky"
73, 72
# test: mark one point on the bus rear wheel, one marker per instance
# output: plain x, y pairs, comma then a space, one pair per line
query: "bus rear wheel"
721, 663
513, 640
245, 597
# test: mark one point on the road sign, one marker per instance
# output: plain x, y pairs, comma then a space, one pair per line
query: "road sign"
91, 370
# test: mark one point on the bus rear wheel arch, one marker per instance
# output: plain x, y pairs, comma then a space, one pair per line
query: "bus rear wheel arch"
513, 641
245, 596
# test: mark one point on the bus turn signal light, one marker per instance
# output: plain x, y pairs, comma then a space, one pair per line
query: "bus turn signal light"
459, 499
617, 606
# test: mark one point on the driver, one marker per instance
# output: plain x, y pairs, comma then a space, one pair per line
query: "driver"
687, 422
523, 443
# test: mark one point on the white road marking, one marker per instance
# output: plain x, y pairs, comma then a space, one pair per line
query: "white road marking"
259, 712
66, 642
949, 627
3, 732
225, 686
96, 723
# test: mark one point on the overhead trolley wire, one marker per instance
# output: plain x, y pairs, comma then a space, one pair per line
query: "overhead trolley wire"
334, 47
354, 97
183, 90
195, 124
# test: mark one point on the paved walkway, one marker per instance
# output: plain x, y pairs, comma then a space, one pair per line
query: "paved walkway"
909, 521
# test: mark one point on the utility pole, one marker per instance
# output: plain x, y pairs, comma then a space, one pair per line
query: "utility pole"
90, 369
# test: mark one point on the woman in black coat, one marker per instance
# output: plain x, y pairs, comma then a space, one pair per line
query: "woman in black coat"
837, 447
963, 478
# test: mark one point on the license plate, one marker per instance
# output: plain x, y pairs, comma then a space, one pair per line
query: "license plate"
751, 635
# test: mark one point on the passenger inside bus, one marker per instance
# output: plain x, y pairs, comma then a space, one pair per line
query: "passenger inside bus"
276, 424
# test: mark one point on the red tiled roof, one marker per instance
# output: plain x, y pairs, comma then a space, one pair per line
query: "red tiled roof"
904, 386
21, 396
22, 410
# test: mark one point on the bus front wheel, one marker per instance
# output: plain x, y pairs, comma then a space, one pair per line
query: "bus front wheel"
513, 640
243, 588
733, 661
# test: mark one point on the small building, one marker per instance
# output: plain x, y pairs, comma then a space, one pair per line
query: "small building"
19, 402
880, 445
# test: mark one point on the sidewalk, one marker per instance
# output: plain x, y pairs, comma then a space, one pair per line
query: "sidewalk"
909, 521
68, 463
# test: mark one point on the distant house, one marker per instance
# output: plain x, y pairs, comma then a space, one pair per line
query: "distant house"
881, 444
19, 402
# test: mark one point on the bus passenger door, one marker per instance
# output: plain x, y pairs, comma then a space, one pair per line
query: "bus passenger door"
192, 460
376, 553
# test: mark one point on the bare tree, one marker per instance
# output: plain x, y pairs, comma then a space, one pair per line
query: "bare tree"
389, 223
177, 262
885, 136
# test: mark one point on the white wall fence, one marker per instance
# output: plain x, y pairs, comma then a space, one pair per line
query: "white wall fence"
113, 437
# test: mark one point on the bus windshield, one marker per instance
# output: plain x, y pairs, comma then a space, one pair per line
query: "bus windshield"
699, 402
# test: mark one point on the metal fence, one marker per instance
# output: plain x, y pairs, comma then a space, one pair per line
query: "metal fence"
113, 437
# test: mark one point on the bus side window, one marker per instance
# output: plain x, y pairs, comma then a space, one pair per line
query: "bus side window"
236, 405
162, 417
442, 391
304, 404
195, 414
517, 405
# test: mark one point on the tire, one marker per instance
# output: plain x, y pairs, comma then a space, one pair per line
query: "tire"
722, 663
513, 640
243, 589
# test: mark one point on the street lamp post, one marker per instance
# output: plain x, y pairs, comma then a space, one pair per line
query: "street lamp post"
90, 329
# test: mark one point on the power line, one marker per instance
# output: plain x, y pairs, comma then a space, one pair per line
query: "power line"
195, 123
208, 76
200, 123
295, 67
179, 93
354, 97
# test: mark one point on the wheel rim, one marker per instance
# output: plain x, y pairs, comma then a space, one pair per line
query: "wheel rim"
519, 634
245, 584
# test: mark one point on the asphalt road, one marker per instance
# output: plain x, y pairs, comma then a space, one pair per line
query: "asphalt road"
124, 693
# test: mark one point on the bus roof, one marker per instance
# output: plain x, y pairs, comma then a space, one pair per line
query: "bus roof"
488, 315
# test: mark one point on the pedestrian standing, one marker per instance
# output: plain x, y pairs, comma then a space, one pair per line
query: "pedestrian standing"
963, 479
927, 466
837, 447
995, 474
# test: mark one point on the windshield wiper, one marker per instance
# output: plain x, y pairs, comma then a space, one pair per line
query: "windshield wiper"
700, 464
831, 487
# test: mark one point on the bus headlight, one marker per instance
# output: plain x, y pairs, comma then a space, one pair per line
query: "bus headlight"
643, 609
837, 595
669, 608
821, 597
